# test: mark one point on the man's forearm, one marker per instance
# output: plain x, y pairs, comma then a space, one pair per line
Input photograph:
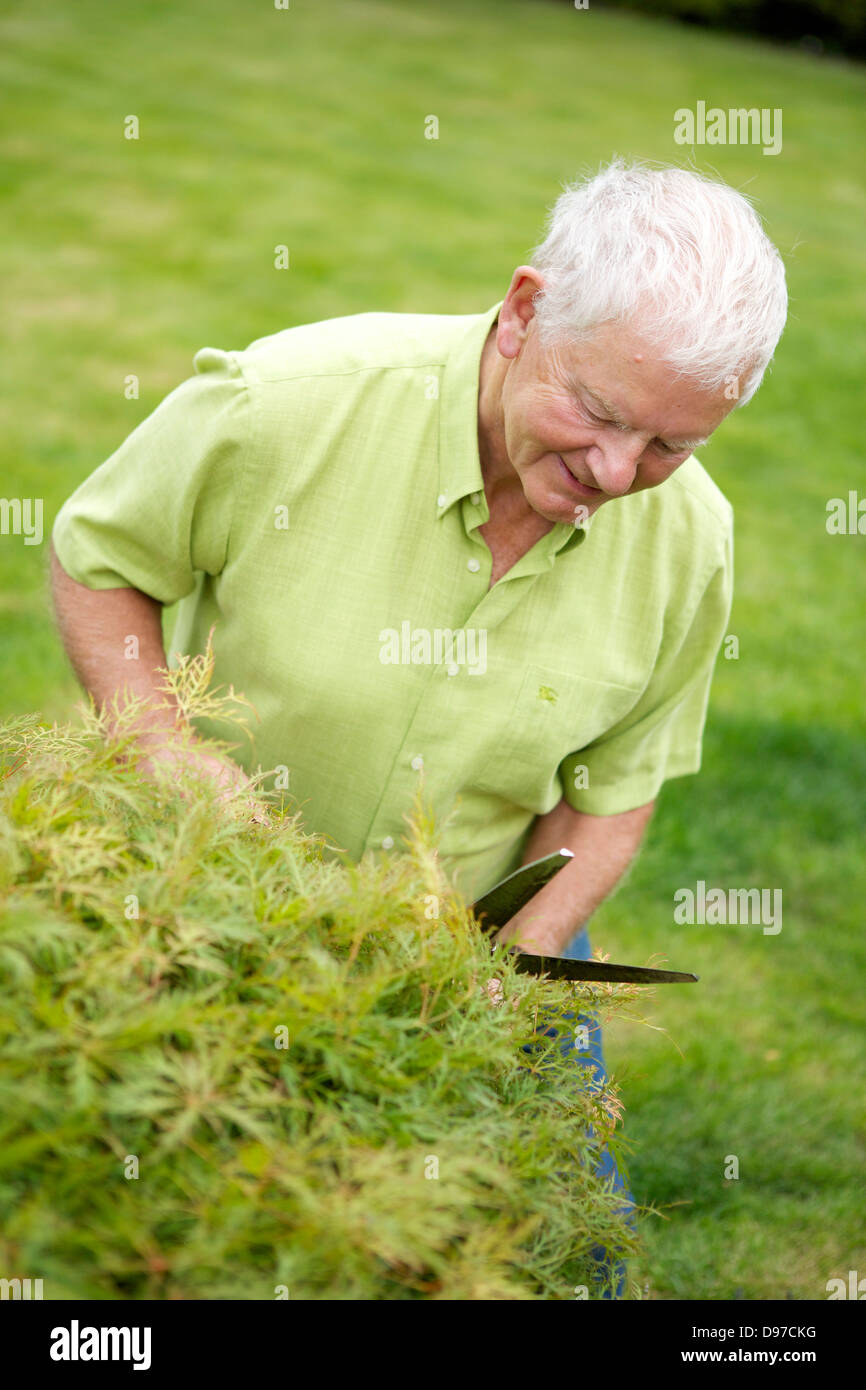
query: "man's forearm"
95, 627
603, 847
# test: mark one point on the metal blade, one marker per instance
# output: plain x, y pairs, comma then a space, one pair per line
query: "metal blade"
512, 893
561, 968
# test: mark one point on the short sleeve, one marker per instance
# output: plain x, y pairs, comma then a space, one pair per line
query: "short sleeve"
660, 738
160, 508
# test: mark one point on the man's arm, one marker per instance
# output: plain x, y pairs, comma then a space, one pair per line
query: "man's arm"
603, 847
94, 626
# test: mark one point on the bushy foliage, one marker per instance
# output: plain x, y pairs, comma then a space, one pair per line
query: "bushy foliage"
284, 1047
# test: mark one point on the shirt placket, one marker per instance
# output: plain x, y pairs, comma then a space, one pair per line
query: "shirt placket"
484, 608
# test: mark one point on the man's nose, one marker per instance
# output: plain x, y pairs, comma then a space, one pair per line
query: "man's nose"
614, 463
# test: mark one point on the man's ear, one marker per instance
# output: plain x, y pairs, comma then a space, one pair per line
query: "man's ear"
518, 310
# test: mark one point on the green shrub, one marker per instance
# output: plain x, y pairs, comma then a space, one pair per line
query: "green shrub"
156, 949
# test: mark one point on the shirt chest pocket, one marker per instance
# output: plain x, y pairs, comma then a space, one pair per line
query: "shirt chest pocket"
551, 713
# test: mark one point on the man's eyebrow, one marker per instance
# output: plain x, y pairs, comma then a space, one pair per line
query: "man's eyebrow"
606, 406
675, 445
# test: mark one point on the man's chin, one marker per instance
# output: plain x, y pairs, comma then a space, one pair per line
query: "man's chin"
551, 504
551, 495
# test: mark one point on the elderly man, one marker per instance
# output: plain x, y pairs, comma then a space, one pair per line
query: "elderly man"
474, 545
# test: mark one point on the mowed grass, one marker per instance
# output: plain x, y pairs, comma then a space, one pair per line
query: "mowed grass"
305, 127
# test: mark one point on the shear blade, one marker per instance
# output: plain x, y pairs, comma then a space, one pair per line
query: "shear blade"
562, 968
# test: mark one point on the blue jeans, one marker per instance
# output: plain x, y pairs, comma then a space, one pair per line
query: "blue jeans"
592, 1057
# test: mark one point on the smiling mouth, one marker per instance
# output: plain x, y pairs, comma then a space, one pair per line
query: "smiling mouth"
585, 488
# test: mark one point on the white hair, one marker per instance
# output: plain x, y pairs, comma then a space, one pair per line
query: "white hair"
683, 259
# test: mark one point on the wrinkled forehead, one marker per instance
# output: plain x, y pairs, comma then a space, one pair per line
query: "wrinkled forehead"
626, 379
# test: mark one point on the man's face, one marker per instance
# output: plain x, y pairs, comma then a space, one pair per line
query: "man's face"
585, 424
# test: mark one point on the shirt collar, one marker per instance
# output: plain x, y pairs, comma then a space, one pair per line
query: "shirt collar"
459, 464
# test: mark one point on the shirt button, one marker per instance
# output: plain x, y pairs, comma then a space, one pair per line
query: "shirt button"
473, 565
388, 842
475, 498
441, 500
418, 763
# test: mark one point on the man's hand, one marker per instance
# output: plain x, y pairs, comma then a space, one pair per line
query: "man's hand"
182, 760
603, 847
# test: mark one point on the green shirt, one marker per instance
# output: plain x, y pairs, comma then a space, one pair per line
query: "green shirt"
318, 496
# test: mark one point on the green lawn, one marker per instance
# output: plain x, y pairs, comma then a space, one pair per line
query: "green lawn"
305, 127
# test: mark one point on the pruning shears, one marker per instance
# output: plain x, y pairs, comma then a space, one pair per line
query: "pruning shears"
512, 893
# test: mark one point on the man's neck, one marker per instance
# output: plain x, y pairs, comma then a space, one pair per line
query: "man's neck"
510, 513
